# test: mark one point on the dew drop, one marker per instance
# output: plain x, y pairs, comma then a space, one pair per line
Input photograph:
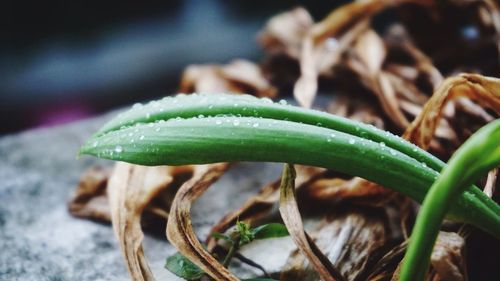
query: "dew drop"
283, 102
424, 165
332, 135
201, 116
95, 144
141, 137
352, 141
266, 100
255, 125
218, 122
393, 152
236, 122
137, 105
382, 144
157, 129
118, 149
332, 44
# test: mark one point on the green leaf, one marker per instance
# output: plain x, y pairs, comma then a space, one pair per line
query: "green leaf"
246, 235
183, 267
202, 129
271, 230
479, 154
219, 235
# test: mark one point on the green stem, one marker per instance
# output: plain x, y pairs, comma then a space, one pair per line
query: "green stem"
232, 251
479, 154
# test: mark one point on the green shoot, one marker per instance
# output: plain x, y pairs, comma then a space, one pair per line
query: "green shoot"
244, 234
479, 154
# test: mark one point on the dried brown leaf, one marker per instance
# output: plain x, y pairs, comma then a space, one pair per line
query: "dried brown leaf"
283, 33
484, 90
180, 229
336, 189
350, 239
131, 188
90, 199
332, 26
371, 51
387, 96
353, 239
447, 259
291, 217
239, 76
388, 266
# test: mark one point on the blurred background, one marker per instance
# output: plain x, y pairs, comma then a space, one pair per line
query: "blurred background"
62, 61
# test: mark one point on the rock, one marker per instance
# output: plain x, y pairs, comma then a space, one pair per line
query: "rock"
40, 240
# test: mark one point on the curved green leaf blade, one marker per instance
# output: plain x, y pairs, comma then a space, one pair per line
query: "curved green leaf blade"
185, 130
479, 154
270, 230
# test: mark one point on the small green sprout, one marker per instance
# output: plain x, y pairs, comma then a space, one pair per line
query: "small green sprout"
244, 234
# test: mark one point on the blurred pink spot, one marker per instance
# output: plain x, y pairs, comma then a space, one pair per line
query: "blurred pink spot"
61, 113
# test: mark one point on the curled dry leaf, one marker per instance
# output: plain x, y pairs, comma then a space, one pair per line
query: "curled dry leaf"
484, 90
350, 238
131, 188
90, 199
239, 76
387, 266
371, 50
291, 217
370, 54
180, 229
283, 33
331, 27
335, 189
447, 259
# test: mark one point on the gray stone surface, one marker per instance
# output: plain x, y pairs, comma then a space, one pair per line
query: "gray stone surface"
40, 241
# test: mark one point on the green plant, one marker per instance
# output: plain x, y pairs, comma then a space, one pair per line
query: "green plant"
200, 129
479, 154
244, 234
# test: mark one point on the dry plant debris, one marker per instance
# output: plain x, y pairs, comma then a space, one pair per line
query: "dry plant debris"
345, 228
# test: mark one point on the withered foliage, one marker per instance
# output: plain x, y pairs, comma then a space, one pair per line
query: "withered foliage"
404, 77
